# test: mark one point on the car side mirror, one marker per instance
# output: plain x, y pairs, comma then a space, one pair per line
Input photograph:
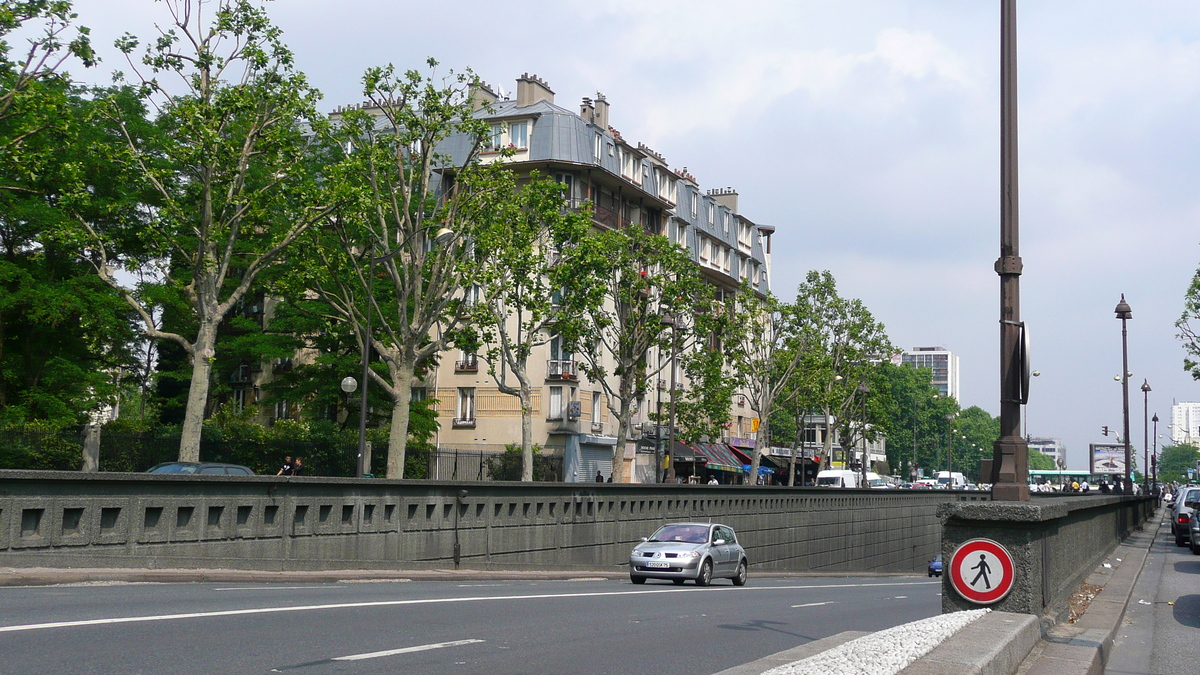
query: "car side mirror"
719, 542
645, 538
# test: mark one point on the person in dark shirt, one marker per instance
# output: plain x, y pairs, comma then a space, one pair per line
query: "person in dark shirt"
297, 466
599, 476
287, 468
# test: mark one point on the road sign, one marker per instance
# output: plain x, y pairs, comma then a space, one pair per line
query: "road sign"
981, 571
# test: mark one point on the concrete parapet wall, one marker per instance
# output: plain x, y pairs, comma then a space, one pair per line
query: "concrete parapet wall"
67, 519
1055, 543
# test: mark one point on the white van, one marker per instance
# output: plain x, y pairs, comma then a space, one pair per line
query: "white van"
951, 481
876, 482
838, 478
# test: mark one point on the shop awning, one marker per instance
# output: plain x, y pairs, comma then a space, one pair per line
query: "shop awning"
720, 457
683, 453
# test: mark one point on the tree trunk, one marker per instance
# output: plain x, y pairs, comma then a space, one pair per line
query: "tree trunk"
618, 461
398, 431
760, 442
526, 431
193, 418
827, 461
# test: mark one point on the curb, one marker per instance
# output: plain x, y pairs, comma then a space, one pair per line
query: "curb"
996, 644
794, 654
1084, 647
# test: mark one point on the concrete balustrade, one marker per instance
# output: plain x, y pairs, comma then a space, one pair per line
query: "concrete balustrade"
67, 519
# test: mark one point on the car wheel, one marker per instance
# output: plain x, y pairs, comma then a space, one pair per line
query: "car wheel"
678, 582
1195, 548
931, 574
636, 579
705, 576
739, 577
1179, 540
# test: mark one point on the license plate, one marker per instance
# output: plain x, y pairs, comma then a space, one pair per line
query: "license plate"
658, 564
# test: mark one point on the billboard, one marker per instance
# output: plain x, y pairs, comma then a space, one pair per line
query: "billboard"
1108, 458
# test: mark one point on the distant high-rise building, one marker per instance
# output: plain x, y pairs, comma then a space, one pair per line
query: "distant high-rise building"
1185, 422
1050, 447
943, 363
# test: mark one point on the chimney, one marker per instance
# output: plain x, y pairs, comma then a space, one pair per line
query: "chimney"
531, 89
481, 95
587, 111
727, 197
601, 111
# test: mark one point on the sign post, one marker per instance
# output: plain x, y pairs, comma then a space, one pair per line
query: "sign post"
981, 571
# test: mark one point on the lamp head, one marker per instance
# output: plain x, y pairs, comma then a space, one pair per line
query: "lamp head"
1146, 386
443, 235
1123, 310
349, 385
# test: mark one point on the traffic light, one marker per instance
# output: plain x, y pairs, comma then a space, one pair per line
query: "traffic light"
1104, 429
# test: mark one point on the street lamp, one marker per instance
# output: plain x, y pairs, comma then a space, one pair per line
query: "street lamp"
1025, 410
1154, 456
950, 447
441, 236
1146, 435
1125, 313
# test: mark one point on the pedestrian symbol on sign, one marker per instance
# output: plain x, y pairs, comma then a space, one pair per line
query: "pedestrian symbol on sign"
981, 571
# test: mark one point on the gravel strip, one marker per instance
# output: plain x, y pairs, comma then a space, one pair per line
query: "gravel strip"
886, 652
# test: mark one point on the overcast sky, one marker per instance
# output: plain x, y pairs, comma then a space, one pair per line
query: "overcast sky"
867, 133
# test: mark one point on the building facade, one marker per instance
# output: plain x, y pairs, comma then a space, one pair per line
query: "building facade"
1050, 447
1185, 423
943, 363
626, 184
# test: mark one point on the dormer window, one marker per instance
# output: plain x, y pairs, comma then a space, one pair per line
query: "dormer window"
518, 134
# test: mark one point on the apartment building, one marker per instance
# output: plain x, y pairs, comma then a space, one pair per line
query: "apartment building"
627, 183
943, 363
1185, 422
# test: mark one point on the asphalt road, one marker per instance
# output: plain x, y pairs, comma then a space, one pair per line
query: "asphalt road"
579, 626
1160, 634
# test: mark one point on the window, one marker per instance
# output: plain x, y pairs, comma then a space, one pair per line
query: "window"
598, 148
727, 255
568, 181
712, 214
497, 140
281, 409
704, 249
471, 295
556, 404
725, 222
419, 394
239, 399
596, 412
518, 134
466, 404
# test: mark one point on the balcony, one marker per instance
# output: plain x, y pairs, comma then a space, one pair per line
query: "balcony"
467, 365
557, 369
463, 423
597, 427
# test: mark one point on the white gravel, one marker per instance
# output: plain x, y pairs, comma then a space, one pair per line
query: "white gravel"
884, 653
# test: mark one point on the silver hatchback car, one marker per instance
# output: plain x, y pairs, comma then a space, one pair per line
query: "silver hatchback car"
682, 551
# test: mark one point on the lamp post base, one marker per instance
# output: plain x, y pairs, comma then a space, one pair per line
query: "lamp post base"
1010, 478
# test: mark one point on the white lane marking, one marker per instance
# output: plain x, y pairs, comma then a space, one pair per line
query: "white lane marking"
405, 650
815, 604
427, 601
271, 588
901, 597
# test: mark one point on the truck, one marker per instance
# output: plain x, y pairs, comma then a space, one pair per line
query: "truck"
951, 481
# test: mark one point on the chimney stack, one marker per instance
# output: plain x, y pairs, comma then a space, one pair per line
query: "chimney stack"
727, 197
601, 111
587, 111
531, 89
481, 95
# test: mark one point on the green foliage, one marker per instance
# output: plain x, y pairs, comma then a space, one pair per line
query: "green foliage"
1040, 462
1189, 332
508, 465
44, 445
1174, 461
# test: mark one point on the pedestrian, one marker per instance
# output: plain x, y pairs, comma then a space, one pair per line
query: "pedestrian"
712, 480
297, 466
286, 469
1084, 486
1074, 486
599, 476
609, 478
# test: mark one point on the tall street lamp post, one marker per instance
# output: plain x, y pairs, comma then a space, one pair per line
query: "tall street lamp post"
950, 448
673, 323
1125, 313
1154, 455
1146, 436
1010, 454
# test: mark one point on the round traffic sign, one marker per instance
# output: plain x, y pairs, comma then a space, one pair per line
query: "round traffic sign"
981, 571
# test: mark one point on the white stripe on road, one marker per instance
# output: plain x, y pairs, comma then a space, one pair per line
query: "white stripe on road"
406, 650
272, 588
429, 601
814, 604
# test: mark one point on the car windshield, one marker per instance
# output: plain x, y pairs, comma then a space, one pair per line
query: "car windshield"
829, 480
174, 468
688, 534
877, 482
943, 480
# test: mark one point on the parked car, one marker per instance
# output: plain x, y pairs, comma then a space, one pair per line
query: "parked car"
838, 478
935, 566
697, 551
201, 468
1194, 530
1182, 514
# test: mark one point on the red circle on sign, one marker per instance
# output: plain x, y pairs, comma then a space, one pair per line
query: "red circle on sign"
998, 590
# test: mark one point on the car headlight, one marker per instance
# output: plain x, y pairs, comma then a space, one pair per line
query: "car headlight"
692, 554
637, 552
